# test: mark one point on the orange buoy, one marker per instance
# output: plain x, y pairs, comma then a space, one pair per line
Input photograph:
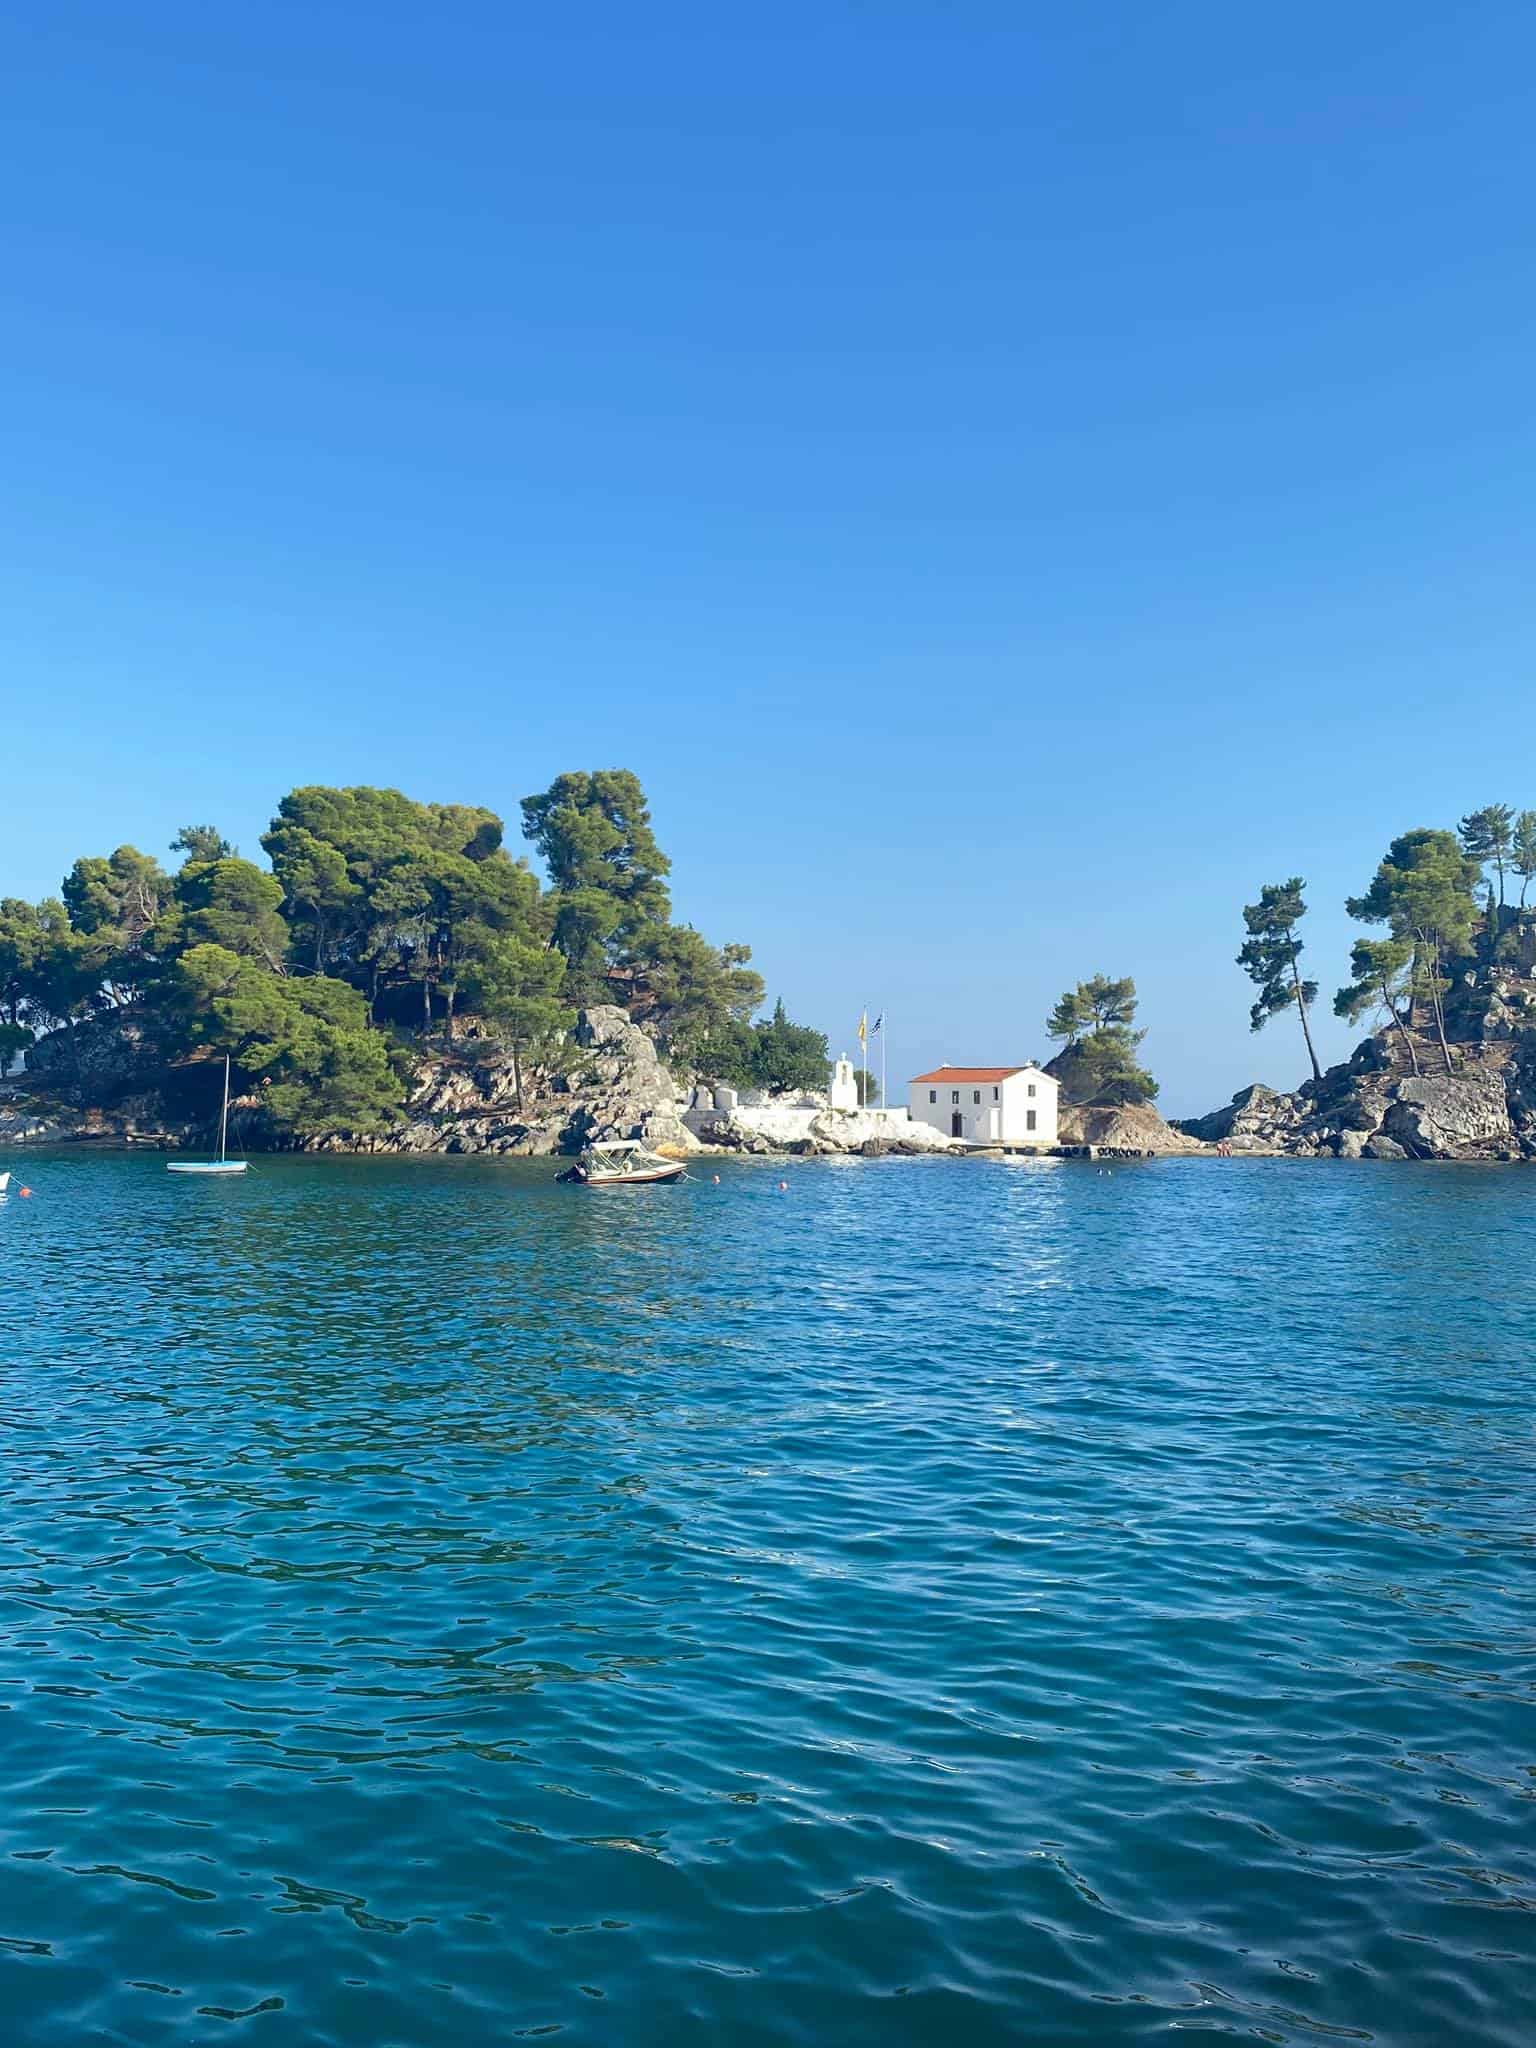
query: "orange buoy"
24, 1191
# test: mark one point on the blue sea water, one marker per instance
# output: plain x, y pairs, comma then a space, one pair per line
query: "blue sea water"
945, 1602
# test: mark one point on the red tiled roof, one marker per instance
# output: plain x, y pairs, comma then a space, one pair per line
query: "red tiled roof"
967, 1074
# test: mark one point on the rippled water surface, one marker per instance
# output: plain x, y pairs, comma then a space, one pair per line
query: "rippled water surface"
947, 1602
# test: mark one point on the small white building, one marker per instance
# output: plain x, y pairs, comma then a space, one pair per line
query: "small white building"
988, 1105
843, 1089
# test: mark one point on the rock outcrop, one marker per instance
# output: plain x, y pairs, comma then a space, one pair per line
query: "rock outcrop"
1374, 1106
624, 1090
96, 1063
1445, 1118
612, 1084
1123, 1127
1256, 1118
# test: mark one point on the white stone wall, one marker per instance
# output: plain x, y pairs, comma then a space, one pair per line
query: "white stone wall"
788, 1123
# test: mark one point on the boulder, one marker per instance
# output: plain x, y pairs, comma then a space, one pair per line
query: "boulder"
1383, 1148
1450, 1116
836, 1130
1257, 1119
1350, 1145
1127, 1127
622, 1086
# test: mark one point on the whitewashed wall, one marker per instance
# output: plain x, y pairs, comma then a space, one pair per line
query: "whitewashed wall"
1002, 1114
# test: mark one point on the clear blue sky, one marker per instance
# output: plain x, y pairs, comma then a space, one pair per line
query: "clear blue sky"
1010, 479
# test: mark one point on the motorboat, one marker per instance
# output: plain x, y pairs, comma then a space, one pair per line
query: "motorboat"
621, 1163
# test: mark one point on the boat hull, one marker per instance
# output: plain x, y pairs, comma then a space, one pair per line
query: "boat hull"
673, 1170
631, 1178
205, 1166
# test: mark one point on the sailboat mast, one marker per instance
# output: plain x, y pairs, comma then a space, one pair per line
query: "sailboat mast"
224, 1112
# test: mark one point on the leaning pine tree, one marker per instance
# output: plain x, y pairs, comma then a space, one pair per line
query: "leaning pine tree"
1271, 958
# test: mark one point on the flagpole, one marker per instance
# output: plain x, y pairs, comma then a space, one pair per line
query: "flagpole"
884, 1034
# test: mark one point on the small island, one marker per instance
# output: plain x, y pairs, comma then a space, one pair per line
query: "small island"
397, 979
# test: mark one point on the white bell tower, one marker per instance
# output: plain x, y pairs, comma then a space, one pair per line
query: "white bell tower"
844, 1091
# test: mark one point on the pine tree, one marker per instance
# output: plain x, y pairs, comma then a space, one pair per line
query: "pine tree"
1271, 957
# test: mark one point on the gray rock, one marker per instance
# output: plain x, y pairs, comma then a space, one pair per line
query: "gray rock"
1350, 1145
1383, 1148
1444, 1116
1256, 1118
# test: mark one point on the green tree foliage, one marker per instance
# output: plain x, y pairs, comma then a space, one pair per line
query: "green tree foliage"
868, 1086
14, 1038
1102, 1003
379, 909
1271, 958
397, 896
610, 915
787, 1055
1524, 858
725, 1056
594, 832
1488, 838
685, 988
306, 1038
773, 1053
230, 903
608, 875
516, 990
1383, 980
116, 902
120, 896
1097, 1064
64, 980
1069, 1020
21, 937
1423, 893
202, 842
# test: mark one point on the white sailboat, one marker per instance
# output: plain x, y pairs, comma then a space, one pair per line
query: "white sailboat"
223, 1164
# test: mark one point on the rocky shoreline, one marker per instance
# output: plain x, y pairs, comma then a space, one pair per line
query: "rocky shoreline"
1375, 1106
470, 1100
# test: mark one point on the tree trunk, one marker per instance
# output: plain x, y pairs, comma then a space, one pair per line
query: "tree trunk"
450, 990
1306, 1029
1439, 1011
426, 1004
1403, 1032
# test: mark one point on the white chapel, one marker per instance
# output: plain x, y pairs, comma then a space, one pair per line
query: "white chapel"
988, 1105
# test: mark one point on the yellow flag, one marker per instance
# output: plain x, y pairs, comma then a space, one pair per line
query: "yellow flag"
863, 1027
